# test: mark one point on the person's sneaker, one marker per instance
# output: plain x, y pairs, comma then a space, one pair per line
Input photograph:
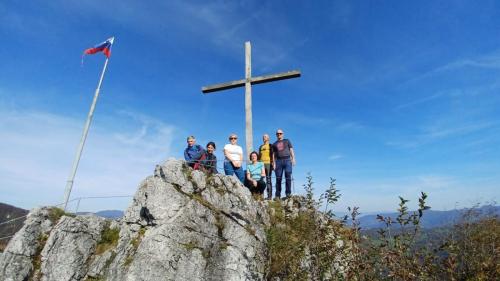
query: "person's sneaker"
276, 199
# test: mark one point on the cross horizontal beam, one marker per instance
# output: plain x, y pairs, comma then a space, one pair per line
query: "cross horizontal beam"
253, 81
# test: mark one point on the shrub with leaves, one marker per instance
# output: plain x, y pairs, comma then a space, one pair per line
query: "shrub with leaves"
314, 245
472, 251
307, 245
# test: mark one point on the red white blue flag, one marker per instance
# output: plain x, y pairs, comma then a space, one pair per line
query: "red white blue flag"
104, 47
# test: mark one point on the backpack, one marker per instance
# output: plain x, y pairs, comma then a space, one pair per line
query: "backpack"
147, 216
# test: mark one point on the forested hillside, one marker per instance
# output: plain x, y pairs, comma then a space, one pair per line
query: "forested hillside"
7, 213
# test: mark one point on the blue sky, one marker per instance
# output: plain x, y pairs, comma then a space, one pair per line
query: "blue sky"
395, 98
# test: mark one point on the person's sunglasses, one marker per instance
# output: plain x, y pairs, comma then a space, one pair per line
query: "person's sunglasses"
279, 133
233, 138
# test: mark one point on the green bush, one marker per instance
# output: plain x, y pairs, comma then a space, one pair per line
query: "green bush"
109, 239
314, 245
56, 213
472, 251
304, 245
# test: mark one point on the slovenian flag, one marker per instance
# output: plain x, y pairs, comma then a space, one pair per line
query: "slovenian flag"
104, 47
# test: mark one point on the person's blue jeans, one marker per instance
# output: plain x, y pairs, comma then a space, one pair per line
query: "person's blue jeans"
230, 170
269, 181
283, 165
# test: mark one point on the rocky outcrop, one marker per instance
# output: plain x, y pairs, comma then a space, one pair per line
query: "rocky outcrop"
181, 225
20, 258
69, 247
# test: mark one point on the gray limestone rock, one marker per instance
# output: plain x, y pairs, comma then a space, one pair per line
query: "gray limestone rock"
205, 228
99, 264
181, 225
20, 257
69, 247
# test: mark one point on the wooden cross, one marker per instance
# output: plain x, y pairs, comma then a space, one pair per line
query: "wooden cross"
248, 82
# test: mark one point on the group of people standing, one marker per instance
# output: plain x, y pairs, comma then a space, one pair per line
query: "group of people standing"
278, 157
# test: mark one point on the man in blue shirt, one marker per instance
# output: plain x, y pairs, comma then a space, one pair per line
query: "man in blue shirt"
193, 153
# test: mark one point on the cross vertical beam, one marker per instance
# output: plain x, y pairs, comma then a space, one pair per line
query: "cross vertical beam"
248, 99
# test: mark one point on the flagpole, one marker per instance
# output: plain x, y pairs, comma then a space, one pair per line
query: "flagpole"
69, 183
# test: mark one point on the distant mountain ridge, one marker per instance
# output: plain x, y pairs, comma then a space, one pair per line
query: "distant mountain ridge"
108, 214
7, 213
430, 218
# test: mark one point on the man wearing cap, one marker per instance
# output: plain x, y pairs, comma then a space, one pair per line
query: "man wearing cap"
283, 158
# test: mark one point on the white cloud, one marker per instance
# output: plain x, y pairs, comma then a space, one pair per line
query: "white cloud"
488, 61
335, 157
453, 95
442, 129
432, 182
224, 25
439, 131
349, 126
38, 149
420, 100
